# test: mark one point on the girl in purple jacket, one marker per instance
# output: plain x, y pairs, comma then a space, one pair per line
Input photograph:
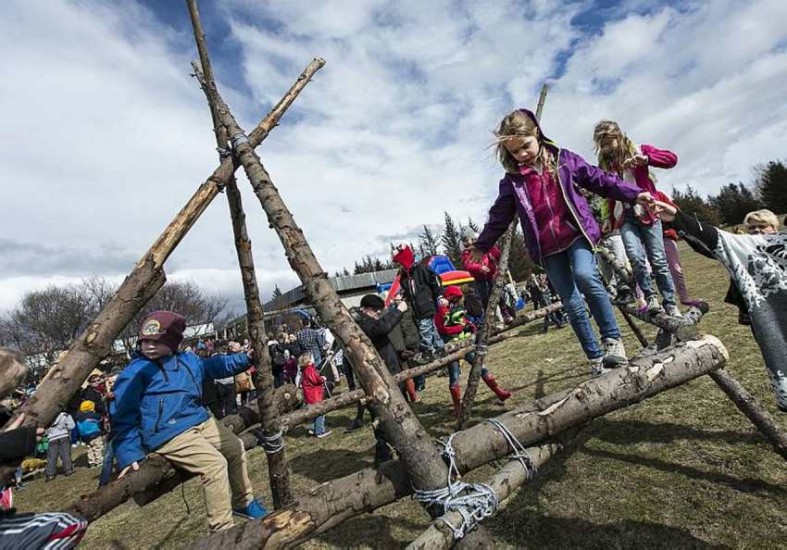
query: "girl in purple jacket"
541, 186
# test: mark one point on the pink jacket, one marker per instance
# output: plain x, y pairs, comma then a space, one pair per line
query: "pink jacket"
657, 158
488, 260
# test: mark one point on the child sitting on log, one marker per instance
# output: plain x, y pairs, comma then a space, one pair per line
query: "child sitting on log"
157, 407
757, 264
453, 324
541, 185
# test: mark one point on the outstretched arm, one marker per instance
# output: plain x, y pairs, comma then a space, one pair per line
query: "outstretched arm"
659, 158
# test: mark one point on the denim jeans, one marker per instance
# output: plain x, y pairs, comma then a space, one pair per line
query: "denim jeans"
429, 339
454, 371
574, 273
106, 469
637, 237
319, 425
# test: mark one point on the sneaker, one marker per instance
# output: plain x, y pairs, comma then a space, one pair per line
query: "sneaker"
597, 367
356, 424
323, 434
672, 310
311, 432
625, 296
614, 353
253, 510
653, 305
423, 358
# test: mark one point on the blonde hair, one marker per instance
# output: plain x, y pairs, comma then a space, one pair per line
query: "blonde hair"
612, 160
763, 217
519, 124
305, 359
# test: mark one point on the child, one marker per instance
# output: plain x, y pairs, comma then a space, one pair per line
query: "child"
312, 383
758, 266
452, 324
540, 185
157, 407
59, 437
421, 289
483, 270
89, 426
639, 228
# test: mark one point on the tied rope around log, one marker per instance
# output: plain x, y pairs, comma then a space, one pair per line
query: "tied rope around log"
272, 444
238, 139
473, 501
519, 451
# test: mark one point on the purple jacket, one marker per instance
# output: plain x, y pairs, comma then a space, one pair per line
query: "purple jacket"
573, 172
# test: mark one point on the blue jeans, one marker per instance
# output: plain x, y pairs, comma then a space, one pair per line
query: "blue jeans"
429, 339
574, 273
647, 240
454, 371
106, 469
319, 425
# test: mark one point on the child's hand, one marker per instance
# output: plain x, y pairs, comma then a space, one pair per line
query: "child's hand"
636, 160
665, 212
133, 466
606, 226
402, 306
475, 253
646, 199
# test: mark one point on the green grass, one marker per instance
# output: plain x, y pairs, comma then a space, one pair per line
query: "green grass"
682, 470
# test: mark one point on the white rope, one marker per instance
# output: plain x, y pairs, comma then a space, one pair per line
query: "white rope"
238, 139
273, 443
519, 452
473, 501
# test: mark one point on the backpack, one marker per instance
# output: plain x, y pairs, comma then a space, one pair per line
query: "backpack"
88, 427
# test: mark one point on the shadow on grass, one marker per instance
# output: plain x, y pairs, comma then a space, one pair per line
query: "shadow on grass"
749, 485
552, 532
328, 464
556, 377
369, 531
625, 432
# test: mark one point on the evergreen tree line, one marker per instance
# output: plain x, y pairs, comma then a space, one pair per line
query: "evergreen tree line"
734, 201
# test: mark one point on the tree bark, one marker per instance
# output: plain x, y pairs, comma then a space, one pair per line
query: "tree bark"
634, 327
12, 370
397, 421
753, 410
333, 502
278, 473
679, 326
468, 399
144, 281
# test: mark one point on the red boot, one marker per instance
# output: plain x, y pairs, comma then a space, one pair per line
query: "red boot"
490, 381
409, 387
456, 396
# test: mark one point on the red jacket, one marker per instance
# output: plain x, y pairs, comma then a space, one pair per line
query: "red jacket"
490, 260
312, 384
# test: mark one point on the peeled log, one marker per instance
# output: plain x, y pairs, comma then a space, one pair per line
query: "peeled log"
331, 503
12, 370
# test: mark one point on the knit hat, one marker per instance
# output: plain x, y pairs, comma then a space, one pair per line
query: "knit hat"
452, 291
468, 234
405, 257
372, 301
87, 406
165, 327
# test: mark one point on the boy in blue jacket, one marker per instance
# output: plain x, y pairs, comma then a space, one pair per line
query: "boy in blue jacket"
157, 407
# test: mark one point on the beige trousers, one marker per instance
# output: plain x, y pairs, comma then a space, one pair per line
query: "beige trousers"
216, 455
95, 451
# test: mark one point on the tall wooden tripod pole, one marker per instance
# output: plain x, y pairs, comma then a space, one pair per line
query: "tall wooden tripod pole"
468, 399
278, 473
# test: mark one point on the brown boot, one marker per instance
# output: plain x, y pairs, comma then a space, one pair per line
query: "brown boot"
502, 394
456, 397
409, 387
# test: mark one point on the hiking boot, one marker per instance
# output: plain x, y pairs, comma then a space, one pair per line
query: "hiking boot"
614, 353
501, 393
253, 510
597, 367
653, 305
356, 424
672, 310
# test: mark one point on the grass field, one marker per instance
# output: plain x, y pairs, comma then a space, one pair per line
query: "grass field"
682, 470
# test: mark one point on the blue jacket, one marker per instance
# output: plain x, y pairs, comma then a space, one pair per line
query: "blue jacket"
154, 402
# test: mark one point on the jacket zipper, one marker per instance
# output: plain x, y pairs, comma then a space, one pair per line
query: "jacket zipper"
191, 375
160, 414
568, 202
549, 205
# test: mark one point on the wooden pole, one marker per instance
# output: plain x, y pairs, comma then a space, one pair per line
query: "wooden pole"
12, 370
278, 473
147, 277
335, 501
468, 399
397, 421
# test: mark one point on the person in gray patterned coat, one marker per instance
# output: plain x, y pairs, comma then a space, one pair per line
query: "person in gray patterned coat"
757, 264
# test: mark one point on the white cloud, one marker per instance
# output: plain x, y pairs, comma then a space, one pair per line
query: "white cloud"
106, 136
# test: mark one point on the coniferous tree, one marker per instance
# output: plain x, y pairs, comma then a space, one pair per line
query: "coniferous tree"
519, 263
733, 203
472, 225
428, 242
452, 242
276, 292
691, 203
772, 186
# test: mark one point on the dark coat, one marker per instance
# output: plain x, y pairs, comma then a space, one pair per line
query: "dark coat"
378, 330
421, 289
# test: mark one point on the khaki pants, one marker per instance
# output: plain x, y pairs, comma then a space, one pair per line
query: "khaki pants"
216, 455
95, 451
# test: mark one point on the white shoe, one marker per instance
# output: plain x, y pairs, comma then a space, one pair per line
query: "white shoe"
597, 367
672, 310
614, 353
654, 307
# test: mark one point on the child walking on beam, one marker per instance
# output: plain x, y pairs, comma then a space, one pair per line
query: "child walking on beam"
541, 186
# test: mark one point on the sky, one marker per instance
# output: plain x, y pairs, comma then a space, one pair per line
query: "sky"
105, 135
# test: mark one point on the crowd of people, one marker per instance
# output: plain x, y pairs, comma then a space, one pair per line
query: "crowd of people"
169, 397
